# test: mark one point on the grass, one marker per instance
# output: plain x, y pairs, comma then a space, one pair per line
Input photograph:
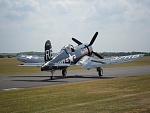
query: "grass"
129, 94
9, 66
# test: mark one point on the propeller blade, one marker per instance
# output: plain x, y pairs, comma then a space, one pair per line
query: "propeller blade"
98, 55
77, 41
93, 39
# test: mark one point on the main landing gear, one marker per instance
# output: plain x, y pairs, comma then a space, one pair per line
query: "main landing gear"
64, 73
100, 71
52, 73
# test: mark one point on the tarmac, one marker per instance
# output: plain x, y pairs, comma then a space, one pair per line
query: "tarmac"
16, 82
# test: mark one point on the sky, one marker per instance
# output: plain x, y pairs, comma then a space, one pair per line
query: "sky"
123, 25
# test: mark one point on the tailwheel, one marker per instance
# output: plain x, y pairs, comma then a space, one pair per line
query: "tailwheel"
64, 72
100, 71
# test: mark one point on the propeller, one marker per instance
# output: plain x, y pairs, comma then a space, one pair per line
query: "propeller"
77, 41
90, 44
93, 39
97, 55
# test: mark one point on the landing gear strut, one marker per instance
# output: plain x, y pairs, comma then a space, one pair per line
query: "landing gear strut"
100, 71
64, 72
52, 73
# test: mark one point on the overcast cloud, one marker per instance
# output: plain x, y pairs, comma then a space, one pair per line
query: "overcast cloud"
123, 25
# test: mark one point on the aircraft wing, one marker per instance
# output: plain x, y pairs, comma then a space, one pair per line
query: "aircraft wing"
89, 62
40, 64
32, 64
31, 60
61, 65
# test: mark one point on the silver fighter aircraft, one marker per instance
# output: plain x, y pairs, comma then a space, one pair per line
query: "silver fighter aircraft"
70, 56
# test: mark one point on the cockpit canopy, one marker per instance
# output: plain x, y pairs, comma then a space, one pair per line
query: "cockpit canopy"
68, 48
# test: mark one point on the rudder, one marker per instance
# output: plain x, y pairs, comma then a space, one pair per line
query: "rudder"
48, 51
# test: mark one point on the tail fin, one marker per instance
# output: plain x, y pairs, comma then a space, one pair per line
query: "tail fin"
48, 51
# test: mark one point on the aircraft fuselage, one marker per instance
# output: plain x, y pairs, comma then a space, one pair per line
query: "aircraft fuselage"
67, 56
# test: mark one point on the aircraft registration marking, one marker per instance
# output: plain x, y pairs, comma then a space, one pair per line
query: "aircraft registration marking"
48, 54
125, 57
29, 57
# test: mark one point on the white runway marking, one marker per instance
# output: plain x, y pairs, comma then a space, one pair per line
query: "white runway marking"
9, 89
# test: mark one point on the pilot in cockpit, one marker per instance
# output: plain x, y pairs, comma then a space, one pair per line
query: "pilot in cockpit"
69, 48
72, 49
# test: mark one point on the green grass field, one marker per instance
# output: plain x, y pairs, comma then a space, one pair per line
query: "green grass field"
118, 95
9, 66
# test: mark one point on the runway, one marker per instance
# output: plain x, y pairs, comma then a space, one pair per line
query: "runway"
14, 82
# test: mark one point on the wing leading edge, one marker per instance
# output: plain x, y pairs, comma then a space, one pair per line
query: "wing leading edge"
89, 62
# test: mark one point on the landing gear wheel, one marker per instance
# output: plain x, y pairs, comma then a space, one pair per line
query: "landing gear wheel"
64, 72
100, 71
51, 77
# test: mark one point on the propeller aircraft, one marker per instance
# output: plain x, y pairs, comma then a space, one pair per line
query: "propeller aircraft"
69, 56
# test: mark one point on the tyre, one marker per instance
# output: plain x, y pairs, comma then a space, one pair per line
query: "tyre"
64, 72
100, 71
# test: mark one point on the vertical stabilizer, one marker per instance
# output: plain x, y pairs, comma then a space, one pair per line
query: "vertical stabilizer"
48, 51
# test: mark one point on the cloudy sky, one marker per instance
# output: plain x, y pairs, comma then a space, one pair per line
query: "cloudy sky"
123, 25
